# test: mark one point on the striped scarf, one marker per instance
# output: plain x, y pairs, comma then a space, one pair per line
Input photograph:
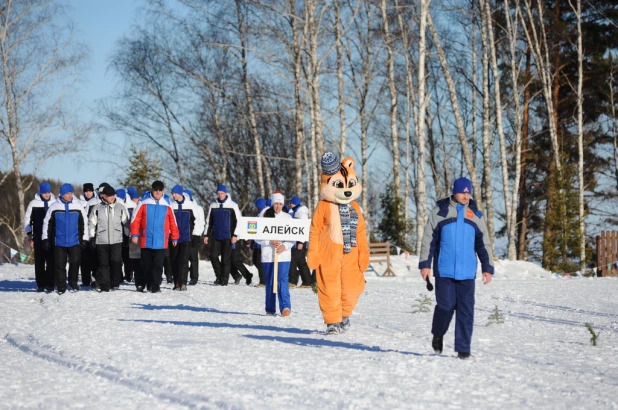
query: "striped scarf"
349, 222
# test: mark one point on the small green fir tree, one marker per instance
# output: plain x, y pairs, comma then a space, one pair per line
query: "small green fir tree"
496, 317
393, 226
142, 171
423, 304
594, 335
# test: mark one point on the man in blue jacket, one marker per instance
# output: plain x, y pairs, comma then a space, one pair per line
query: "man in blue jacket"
454, 235
65, 231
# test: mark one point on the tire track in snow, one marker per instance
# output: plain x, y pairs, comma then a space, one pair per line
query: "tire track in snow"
29, 345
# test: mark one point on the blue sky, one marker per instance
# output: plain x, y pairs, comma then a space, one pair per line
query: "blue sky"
99, 24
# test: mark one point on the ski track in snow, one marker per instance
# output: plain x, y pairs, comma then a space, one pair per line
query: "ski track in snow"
213, 347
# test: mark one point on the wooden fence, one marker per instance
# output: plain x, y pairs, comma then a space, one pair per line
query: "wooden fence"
607, 253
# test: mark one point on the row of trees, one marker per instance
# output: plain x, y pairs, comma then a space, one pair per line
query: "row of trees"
517, 95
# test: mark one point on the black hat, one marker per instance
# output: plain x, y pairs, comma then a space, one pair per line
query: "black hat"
101, 186
158, 186
108, 190
88, 187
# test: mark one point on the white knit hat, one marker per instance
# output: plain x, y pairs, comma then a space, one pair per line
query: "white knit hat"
278, 198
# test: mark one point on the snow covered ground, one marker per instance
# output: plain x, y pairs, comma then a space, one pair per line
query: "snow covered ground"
213, 347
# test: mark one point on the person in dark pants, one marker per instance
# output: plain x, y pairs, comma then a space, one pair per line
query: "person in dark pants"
298, 265
64, 230
108, 223
35, 215
221, 222
256, 258
133, 250
238, 270
121, 196
153, 226
454, 236
196, 241
186, 213
89, 256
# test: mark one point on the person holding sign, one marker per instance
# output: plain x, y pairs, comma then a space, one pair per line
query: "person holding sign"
276, 257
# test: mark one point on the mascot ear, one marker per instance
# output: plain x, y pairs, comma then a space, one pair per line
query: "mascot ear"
348, 162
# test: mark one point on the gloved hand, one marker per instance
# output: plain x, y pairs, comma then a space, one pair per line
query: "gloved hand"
93, 243
45, 244
84, 244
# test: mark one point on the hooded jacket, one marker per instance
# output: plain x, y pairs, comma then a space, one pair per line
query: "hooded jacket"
222, 219
65, 223
107, 222
454, 235
35, 215
154, 223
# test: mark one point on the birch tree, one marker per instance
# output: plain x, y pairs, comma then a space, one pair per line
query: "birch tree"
41, 64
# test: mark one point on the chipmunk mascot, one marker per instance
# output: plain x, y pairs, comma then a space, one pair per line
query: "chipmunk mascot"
338, 248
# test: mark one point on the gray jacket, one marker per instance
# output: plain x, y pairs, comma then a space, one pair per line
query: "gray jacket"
107, 223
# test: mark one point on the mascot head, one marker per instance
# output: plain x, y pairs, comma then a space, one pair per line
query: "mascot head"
339, 180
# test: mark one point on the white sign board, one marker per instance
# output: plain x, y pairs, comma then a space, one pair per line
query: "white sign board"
262, 229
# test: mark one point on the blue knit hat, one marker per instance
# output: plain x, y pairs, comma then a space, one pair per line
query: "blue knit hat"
177, 189
330, 163
189, 192
44, 188
221, 188
260, 203
121, 193
462, 186
65, 189
132, 192
295, 201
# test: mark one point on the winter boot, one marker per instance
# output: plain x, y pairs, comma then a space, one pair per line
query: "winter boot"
345, 323
437, 344
333, 329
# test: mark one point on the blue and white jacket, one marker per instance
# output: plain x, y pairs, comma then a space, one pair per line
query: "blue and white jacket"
35, 215
190, 222
454, 235
65, 223
222, 219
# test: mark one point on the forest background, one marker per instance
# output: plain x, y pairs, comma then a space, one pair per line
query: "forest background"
518, 96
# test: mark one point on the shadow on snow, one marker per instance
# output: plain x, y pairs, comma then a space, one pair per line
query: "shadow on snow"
331, 343
189, 308
17, 286
226, 325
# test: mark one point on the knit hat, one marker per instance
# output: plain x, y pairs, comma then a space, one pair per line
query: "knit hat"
65, 189
221, 188
278, 198
121, 193
132, 192
44, 188
108, 190
189, 192
269, 202
158, 186
295, 201
260, 203
462, 186
177, 189
88, 187
330, 163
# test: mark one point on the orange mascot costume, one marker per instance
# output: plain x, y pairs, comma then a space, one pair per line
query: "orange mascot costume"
338, 248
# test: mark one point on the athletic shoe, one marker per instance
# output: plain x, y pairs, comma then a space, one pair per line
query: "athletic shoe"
192, 282
260, 285
49, 289
176, 287
291, 285
237, 280
183, 288
155, 290
345, 323
437, 344
40, 289
465, 356
139, 288
333, 329
248, 280
286, 312
304, 287
61, 291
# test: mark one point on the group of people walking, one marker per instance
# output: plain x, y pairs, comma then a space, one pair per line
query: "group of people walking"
105, 229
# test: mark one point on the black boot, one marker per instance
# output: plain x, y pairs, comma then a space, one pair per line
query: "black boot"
437, 344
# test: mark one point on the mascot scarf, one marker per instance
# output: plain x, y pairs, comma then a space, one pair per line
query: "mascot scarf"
349, 222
